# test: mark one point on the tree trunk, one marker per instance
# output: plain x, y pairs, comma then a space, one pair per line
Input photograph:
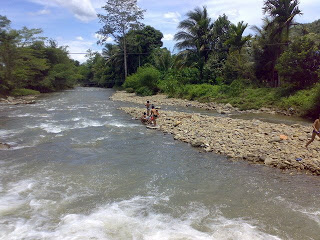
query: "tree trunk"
125, 57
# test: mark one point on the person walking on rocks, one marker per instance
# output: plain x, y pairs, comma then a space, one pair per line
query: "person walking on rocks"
148, 108
154, 115
316, 131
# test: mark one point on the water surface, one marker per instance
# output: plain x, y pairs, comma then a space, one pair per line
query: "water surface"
81, 169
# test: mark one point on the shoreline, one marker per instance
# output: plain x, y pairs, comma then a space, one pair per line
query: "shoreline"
30, 99
162, 99
251, 140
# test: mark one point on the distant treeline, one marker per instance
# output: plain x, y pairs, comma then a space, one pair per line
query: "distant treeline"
278, 66
29, 62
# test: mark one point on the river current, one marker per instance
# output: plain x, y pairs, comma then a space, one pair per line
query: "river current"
79, 168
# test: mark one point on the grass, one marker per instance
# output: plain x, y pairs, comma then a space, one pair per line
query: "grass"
23, 92
245, 97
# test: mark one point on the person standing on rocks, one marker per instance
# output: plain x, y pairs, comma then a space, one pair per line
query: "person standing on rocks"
148, 108
154, 115
316, 131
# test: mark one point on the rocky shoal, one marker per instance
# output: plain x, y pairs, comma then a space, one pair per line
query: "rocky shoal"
19, 100
251, 140
161, 99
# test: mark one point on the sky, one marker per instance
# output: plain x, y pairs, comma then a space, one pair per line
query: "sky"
74, 22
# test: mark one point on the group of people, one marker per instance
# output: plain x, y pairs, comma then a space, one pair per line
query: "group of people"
151, 115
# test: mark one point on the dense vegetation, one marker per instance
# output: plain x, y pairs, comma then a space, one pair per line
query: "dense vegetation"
29, 65
277, 67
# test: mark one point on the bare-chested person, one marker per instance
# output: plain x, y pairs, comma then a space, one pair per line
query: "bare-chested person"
144, 118
154, 115
316, 131
148, 108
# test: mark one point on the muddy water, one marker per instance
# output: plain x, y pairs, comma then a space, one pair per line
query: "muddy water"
81, 169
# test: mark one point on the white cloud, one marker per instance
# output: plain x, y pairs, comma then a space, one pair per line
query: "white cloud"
175, 16
167, 37
44, 11
82, 9
79, 38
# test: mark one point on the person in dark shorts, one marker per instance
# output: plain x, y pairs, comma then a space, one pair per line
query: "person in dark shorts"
154, 115
315, 132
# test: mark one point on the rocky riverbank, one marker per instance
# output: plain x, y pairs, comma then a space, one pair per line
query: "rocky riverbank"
276, 145
19, 100
161, 99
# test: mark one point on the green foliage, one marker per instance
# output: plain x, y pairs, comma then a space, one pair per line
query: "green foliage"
299, 65
129, 90
23, 92
144, 91
26, 62
121, 16
144, 81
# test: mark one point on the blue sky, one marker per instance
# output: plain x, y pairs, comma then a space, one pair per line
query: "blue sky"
74, 22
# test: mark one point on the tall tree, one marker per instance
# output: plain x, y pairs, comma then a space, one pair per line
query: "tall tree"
196, 36
282, 12
121, 16
140, 43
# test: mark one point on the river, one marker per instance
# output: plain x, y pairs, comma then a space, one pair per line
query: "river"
81, 169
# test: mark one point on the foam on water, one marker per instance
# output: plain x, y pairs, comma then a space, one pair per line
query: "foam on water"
52, 128
134, 219
311, 213
13, 198
121, 125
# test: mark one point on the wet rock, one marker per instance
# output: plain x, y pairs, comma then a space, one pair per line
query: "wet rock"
196, 144
269, 161
4, 146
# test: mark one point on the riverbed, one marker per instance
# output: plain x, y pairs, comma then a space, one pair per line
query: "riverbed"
79, 168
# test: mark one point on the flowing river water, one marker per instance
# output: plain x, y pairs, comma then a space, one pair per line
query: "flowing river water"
81, 169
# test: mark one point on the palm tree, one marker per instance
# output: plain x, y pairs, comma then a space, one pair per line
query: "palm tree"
236, 40
195, 37
266, 50
282, 12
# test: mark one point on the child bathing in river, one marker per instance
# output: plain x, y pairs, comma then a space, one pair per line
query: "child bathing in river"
145, 119
316, 131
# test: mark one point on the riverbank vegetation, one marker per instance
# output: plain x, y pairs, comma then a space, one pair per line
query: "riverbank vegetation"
277, 67
29, 63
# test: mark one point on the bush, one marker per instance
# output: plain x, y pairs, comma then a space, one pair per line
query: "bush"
147, 77
23, 92
129, 90
144, 91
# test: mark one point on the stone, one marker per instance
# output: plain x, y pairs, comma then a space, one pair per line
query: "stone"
4, 146
177, 123
275, 139
269, 161
196, 144
228, 105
